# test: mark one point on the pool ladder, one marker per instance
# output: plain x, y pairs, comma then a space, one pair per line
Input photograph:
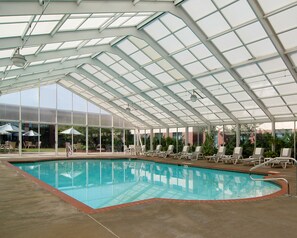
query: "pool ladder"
272, 179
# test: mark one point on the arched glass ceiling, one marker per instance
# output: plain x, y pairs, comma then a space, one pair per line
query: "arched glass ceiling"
239, 56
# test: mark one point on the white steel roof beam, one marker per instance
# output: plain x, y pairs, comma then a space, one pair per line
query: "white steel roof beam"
95, 93
135, 89
118, 95
21, 8
272, 35
176, 65
157, 82
219, 56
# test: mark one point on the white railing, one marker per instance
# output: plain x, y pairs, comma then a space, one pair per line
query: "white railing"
271, 179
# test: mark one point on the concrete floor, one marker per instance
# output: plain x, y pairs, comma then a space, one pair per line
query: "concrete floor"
27, 210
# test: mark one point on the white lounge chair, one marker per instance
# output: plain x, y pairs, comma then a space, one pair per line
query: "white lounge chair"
234, 158
256, 158
195, 155
154, 152
218, 156
169, 151
284, 159
184, 152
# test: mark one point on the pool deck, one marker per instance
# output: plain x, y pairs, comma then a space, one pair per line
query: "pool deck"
28, 210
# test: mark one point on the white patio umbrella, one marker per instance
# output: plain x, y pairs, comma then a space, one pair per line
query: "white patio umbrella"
10, 128
71, 131
31, 133
3, 132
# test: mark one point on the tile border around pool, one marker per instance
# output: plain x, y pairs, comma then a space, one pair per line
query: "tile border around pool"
86, 209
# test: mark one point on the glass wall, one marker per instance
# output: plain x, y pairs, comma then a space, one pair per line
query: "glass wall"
45, 108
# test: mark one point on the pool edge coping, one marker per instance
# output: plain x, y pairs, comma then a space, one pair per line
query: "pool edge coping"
88, 210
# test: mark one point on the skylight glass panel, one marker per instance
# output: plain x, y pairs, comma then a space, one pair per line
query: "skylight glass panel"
89, 68
102, 77
156, 30
199, 8
200, 51
53, 60
292, 99
195, 68
11, 30
29, 50
127, 46
261, 48
176, 74
234, 106
106, 59
213, 24
227, 41
279, 110
51, 47
289, 39
294, 109
251, 32
269, 6
70, 44
48, 17
171, 44
118, 22
140, 58
141, 85
294, 58
211, 63
14, 19
172, 22
266, 92
249, 104
272, 65
287, 89
225, 98
42, 27
119, 69
154, 69
6, 53
207, 81
149, 51
165, 78
187, 37
241, 96
134, 21
223, 77
257, 113
237, 55
93, 23
241, 114
105, 40
249, 70
217, 90
242, 7
257, 82
222, 3
184, 57
284, 20
71, 24
270, 102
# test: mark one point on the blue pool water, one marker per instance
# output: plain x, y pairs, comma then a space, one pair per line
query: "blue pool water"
103, 183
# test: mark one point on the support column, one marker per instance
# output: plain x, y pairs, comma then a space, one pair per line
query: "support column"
167, 132
112, 140
151, 139
87, 139
295, 143
237, 135
273, 135
187, 135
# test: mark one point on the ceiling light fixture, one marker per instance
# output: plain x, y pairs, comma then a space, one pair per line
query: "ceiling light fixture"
193, 97
128, 109
18, 59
